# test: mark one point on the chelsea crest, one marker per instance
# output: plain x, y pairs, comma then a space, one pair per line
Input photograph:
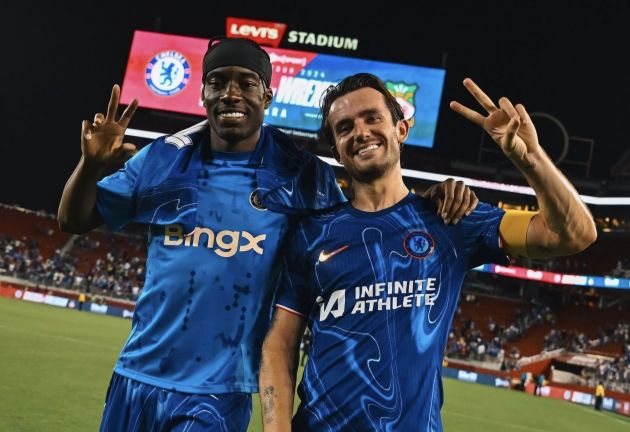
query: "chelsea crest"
419, 244
167, 73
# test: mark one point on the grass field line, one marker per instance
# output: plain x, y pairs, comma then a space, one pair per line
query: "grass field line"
54, 336
607, 415
499, 423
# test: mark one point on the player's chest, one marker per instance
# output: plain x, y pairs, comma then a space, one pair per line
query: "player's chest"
358, 255
376, 269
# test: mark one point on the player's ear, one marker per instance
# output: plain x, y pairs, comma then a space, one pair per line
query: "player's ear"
268, 97
402, 131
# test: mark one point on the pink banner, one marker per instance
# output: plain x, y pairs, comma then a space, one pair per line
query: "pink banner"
165, 71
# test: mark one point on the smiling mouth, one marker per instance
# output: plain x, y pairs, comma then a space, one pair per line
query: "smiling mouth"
231, 115
367, 150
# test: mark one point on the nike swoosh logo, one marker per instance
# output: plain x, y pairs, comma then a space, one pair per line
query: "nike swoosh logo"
289, 192
323, 256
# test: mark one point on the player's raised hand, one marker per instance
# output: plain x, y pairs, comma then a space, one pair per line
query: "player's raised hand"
509, 126
102, 140
453, 199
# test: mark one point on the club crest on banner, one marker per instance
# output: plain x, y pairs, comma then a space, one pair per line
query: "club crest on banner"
167, 73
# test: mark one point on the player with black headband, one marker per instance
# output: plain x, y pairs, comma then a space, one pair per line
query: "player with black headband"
219, 199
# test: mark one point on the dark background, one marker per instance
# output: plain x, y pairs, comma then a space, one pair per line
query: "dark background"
565, 59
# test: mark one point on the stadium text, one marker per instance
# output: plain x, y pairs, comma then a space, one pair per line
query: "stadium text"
306, 38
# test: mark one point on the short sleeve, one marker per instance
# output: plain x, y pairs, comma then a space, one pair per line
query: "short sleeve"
295, 292
481, 236
115, 199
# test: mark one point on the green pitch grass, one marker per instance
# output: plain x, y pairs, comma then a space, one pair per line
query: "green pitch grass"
55, 365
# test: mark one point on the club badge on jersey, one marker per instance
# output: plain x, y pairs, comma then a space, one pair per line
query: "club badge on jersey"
419, 244
256, 201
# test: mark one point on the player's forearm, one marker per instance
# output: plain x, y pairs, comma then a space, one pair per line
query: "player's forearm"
77, 208
568, 223
277, 386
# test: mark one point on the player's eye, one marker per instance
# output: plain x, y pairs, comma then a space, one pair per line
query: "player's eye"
215, 84
342, 130
249, 85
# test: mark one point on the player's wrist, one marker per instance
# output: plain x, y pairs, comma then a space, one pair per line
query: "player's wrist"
530, 161
93, 165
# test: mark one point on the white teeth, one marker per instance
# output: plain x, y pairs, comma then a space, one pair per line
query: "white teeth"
232, 114
368, 148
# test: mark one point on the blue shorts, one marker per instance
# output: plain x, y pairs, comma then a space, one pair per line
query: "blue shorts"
134, 406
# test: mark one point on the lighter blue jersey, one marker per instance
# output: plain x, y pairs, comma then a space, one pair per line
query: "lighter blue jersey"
379, 291
133, 406
199, 322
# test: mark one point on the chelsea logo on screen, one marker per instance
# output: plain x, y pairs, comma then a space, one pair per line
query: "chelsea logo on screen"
167, 73
419, 244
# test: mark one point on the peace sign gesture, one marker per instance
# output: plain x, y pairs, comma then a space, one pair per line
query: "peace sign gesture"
102, 140
509, 126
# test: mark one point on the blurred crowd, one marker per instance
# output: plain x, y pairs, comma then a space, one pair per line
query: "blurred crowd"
118, 274
467, 342
614, 374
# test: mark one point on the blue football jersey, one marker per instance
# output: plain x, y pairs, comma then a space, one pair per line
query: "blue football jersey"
199, 322
379, 291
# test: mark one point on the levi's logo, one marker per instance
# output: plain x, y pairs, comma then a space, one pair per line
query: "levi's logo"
225, 243
262, 32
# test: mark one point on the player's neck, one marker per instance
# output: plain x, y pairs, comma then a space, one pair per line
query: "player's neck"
221, 145
381, 193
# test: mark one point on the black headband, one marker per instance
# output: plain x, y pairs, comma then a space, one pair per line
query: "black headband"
237, 52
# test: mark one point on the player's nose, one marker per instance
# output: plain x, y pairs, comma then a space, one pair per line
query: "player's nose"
231, 92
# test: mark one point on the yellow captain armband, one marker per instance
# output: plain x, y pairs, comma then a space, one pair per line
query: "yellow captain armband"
513, 231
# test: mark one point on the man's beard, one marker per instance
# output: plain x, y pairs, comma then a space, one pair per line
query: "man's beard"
374, 172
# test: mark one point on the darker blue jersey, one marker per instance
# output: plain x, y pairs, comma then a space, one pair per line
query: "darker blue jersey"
379, 290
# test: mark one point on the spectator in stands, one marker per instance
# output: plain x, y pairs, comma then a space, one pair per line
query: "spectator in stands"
540, 381
515, 353
523, 381
600, 392
81, 300
231, 188
492, 325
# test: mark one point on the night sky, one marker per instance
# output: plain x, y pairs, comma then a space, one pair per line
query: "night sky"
58, 67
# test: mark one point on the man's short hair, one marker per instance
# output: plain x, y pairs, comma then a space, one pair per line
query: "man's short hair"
348, 85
